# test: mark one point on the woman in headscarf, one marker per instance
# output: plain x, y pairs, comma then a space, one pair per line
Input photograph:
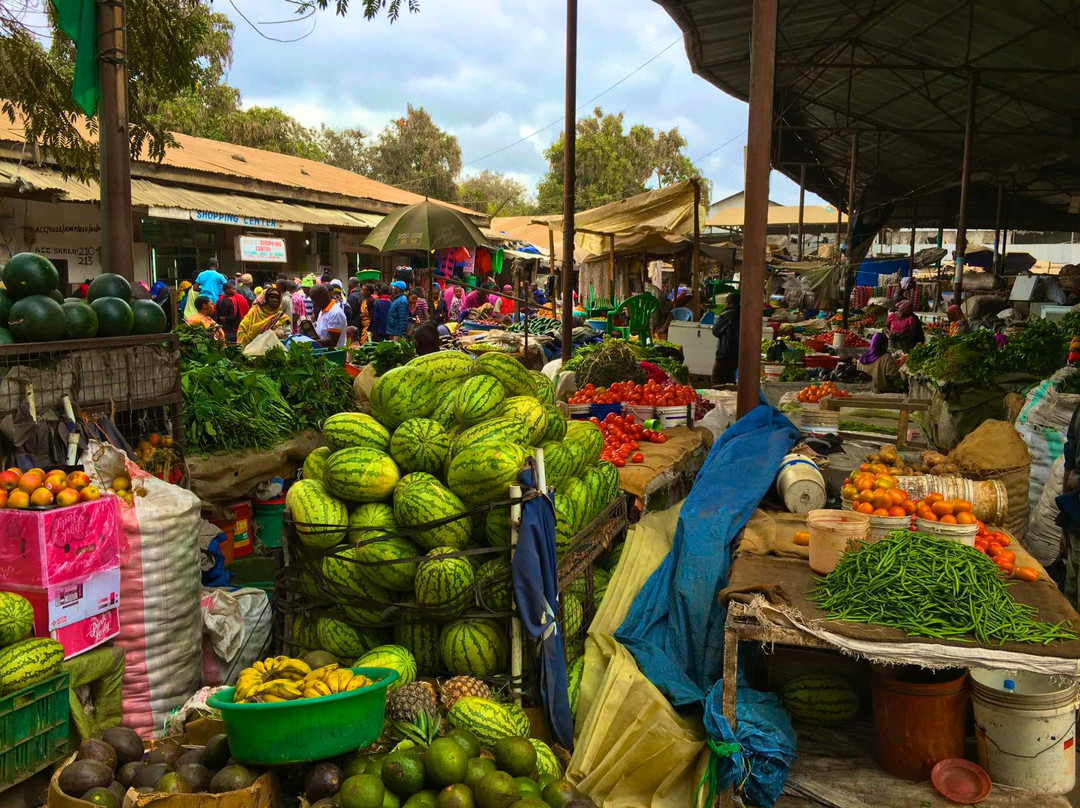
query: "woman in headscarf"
905, 329
265, 314
957, 324
880, 365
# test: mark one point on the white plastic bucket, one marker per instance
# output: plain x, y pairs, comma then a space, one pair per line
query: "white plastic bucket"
580, 412
1025, 729
676, 415
882, 526
800, 484
965, 534
831, 533
838, 340
642, 412
773, 372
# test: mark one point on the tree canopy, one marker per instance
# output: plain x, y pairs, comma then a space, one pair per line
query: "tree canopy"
612, 163
495, 194
415, 154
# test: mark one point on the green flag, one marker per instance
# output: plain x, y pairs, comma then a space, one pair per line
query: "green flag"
76, 19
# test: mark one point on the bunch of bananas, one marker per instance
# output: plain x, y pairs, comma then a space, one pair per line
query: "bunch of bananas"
282, 678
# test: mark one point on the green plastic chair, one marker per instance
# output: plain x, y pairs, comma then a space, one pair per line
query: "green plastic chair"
639, 310
599, 307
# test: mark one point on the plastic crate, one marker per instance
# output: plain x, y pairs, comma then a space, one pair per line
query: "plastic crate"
33, 729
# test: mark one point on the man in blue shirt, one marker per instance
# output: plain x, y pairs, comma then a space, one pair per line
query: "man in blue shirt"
397, 318
210, 282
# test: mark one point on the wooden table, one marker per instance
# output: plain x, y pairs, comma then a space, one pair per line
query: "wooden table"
883, 401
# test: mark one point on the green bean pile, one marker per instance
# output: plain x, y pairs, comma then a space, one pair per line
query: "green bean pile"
930, 587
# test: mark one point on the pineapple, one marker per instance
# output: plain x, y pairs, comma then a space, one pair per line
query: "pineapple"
408, 700
453, 689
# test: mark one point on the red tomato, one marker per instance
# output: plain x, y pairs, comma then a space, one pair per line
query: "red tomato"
618, 462
993, 548
637, 457
661, 438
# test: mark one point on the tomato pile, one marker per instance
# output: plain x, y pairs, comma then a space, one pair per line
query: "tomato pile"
876, 495
851, 339
622, 437
650, 393
935, 508
816, 392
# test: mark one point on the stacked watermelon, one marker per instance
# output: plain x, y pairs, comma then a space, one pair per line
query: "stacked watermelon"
24, 661
403, 517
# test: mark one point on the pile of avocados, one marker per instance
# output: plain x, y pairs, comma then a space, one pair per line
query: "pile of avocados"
105, 769
452, 772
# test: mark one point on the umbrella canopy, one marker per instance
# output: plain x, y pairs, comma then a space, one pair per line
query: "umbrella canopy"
425, 226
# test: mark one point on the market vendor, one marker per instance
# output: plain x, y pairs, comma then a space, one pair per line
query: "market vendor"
880, 365
726, 331
330, 323
905, 329
397, 316
231, 310
266, 314
957, 323
204, 316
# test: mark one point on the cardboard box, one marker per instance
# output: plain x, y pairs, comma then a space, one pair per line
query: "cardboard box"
44, 548
88, 633
66, 604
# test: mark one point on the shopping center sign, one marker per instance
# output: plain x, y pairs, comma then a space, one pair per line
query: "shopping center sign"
261, 248
213, 217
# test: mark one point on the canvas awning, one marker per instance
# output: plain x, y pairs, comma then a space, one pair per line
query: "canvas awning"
780, 216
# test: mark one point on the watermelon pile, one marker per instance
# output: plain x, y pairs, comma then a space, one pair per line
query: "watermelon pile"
24, 661
403, 516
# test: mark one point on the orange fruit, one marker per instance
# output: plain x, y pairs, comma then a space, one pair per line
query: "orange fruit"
848, 492
41, 497
30, 482
882, 502
961, 505
866, 496
38, 471
965, 518
802, 538
929, 516
68, 496
9, 480
18, 499
896, 496
897, 511
879, 512
78, 480
942, 508
864, 467
89, 494
864, 483
932, 497
948, 519
864, 507
908, 506
54, 484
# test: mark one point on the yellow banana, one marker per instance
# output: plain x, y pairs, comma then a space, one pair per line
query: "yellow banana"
268, 698
320, 674
316, 690
357, 682
290, 668
279, 687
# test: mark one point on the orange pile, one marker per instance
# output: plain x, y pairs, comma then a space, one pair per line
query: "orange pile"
816, 392
875, 493
935, 508
24, 489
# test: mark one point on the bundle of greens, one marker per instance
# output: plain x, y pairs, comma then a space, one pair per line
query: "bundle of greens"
384, 355
617, 355
313, 387
612, 361
229, 409
1039, 349
966, 358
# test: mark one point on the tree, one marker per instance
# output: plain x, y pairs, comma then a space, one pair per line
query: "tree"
413, 153
613, 164
345, 148
495, 194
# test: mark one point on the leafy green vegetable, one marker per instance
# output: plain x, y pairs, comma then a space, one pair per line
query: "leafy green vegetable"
1039, 349
966, 358
384, 355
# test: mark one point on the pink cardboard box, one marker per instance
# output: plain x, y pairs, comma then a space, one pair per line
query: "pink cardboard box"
43, 548
66, 604
88, 633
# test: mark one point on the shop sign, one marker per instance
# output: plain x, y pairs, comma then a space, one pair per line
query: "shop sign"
213, 217
261, 249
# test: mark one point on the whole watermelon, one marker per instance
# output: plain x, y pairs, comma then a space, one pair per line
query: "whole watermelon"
342, 640
355, 429
556, 425
483, 474
445, 411
473, 647
545, 388
557, 462
371, 519
530, 412
109, 284
389, 563
444, 366
148, 318
495, 431
513, 375
420, 444
493, 585
400, 394
394, 657
358, 474
421, 637
16, 618
320, 518
36, 318
30, 274
497, 527
478, 399
115, 317
821, 699
424, 501
444, 582
590, 437
576, 491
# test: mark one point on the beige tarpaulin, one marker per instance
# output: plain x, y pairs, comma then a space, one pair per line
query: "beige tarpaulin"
661, 217
779, 216
633, 750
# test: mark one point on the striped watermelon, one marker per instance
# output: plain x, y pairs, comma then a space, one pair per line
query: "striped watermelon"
545, 388
316, 463
530, 412
360, 599
573, 616
420, 444
556, 425
520, 718
473, 647
400, 394
444, 366
575, 490
601, 578
496, 431
546, 762
478, 399
28, 662
493, 585
399, 576
305, 632
349, 429
342, 640
556, 463
16, 618
369, 520
610, 475
426, 500
511, 373
421, 638
394, 657
444, 583
589, 436
320, 518
487, 720
565, 519
481, 475
575, 451
372, 614
361, 475
417, 478
597, 498
445, 411
573, 682
821, 699
497, 527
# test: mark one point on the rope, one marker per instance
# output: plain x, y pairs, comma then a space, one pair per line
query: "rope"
718, 750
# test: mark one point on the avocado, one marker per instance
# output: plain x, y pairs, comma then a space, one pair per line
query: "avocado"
232, 778
560, 793
362, 791
167, 753
446, 762
422, 799
527, 788
323, 781
216, 752
126, 742
496, 790
467, 739
515, 756
458, 795
354, 766
478, 768
319, 659
91, 749
149, 774
403, 773
83, 775
127, 772
118, 790
529, 802
168, 784
102, 797
194, 778
390, 799
197, 755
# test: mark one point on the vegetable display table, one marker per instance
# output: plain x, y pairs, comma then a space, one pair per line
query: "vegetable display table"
883, 401
666, 467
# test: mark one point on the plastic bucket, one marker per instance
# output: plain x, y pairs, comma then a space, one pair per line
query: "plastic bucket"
989, 499
673, 416
602, 411
642, 412
236, 525
882, 526
831, 533
1025, 729
254, 571
580, 412
773, 372
800, 484
918, 718
268, 518
965, 534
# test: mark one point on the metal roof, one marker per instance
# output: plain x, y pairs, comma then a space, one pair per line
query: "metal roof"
897, 71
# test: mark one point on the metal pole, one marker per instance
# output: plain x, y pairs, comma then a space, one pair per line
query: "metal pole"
551, 252
965, 176
114, 146
611, 267
569, 180
696, 258
997, 225
802, 207
849, 271
755, 219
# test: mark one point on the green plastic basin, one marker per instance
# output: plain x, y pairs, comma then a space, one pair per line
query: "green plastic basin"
306, 729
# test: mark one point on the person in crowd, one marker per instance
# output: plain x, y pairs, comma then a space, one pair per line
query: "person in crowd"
367, 312
231, 309
880, 365
84, 289
161, 294
244, 285
190, 309
380, 309
538, 296
204, 316
440, 305
504, 307
326, 279
266, 314
284, 287
352, 335
726, 331
958, 324
338, 291
329, 327
426, 338
418, 306
905, 329
298, 300
476, 298
352, 304
397, 316
457, 305
210, 281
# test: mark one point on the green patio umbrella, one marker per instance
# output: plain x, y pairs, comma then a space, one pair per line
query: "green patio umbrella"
425, 226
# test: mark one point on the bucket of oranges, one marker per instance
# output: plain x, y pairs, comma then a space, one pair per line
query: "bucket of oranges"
946, 518
877, 495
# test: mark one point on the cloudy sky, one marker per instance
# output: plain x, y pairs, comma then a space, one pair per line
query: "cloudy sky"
491, 72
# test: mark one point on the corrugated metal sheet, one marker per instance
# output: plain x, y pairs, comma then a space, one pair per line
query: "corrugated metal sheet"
898, 72
154, 195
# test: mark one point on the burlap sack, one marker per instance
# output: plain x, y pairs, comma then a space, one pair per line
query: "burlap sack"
995, 451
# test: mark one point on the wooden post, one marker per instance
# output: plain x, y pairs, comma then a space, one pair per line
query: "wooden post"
755, 220
849, 272
611, 267
113, 142
569, 179
695, 292
802, 207
997, 226
965, 177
